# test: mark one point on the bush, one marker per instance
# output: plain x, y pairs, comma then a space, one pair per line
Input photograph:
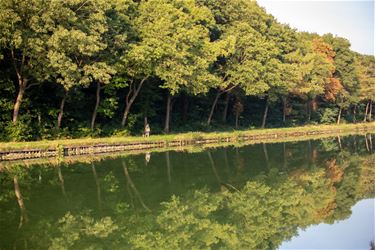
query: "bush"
121, 132
20, 131
81, 132
329, 115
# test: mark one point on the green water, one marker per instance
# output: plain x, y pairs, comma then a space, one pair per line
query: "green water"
252, 197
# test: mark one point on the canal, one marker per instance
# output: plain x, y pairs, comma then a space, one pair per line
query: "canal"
309, 194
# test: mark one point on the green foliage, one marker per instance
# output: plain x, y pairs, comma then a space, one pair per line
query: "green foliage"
73, 228
111, 184
174, 44
329, 116
7, 90
366, 74
76, 41
22, 130
108, 106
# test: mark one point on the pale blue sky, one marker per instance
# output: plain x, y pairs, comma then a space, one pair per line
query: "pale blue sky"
353, 19
353, 233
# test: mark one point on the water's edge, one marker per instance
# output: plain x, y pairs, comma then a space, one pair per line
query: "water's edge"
145, 146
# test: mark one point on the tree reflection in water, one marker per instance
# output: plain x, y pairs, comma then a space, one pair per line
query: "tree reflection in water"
261, 204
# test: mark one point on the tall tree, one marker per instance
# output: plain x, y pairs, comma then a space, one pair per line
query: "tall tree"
286, 71
116, 40
316, 69
175, 35
250, 54
345, 72
75, 43
366, 75
24, 31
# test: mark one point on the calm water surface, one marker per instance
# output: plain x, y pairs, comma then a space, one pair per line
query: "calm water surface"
311, 194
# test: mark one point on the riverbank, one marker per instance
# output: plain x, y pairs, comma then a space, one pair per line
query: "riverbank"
85, 146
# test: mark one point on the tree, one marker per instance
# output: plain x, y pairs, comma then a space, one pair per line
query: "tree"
366, 75
78, 37
345, 75
115, 38
138, 64
250, 59
285, 71
247, 65
237, 110
316, 69
24, 32
176, 39
101, 73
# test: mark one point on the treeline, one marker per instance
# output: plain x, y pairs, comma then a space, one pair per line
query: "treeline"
103, 67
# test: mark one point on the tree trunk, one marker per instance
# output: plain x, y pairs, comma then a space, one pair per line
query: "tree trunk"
308, 111
265, 151
214, 168
133, 187
355, 144
265, 115
309, 152
125, 115
213, 107
370, 142
22, 83
370, 112
339, 141
62, 183
366, 111
226, 160
284, 100
98, 87
132, 94
168, 114
355, 114
367, 145
61, 112
97, 183
225, 112
22, 87
168, 167
185, 108
21, 204
284, 157
339, 116
237, 116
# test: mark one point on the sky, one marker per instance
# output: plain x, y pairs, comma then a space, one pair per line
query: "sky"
351, 19
355, 232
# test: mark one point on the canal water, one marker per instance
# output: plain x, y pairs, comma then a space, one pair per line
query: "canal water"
316, 194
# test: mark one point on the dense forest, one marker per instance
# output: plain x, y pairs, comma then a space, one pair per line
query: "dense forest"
79, 68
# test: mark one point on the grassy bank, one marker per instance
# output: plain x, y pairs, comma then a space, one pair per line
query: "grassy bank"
255, 134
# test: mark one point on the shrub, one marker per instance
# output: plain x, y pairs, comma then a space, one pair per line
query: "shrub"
20, 131
329, 115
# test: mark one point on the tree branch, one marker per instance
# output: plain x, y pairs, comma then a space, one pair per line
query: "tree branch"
83, 4
129, 92
15, 64
31, 85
